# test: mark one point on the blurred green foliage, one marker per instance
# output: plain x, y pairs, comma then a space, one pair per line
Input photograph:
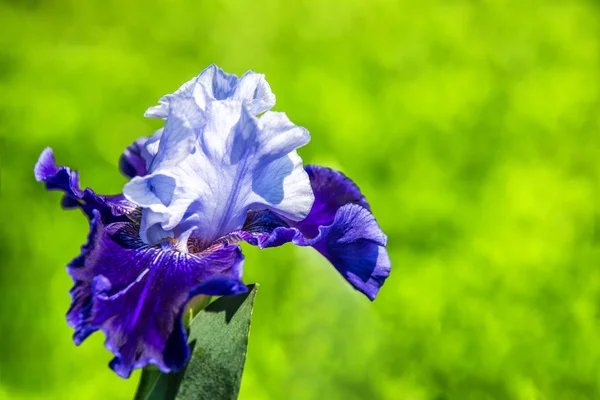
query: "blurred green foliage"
473, 127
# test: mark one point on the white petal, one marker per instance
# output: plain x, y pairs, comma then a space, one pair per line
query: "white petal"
215, 84
237, 163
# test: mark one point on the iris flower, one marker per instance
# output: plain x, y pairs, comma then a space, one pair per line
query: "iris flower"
223, 170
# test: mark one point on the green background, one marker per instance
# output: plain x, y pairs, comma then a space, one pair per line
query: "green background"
473, 127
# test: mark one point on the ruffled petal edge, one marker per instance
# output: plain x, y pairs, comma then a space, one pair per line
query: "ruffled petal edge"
112, 208
340, 226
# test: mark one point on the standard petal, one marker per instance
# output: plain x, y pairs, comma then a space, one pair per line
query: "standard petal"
179, 134
340, 226
238, 163
215, 84
135, 293
162, 110
254, 89
251, 88
112, 208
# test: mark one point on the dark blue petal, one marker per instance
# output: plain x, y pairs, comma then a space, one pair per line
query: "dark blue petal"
177, 353
332, 190
136, 294
111, 208
355, 245
132, 163
340, 226
219, 286
56, 178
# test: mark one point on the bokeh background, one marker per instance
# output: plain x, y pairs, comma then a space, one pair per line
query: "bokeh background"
473, 127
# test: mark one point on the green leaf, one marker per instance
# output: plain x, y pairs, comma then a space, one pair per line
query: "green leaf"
218, 339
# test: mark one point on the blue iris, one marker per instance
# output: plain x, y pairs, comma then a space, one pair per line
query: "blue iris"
224, 169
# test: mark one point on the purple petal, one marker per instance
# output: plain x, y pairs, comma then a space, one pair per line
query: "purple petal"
340, 226
111, 208
332, 190
355, 245
176, 351
136, 293
56, 178
132, 163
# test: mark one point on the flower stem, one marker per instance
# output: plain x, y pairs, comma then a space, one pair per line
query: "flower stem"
148, 379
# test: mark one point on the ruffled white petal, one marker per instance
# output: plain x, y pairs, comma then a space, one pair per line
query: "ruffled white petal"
215, 84
209, 172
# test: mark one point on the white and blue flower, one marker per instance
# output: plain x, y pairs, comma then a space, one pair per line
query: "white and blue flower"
224, 169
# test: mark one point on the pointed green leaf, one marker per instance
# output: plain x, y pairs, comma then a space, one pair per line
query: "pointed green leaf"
218, 339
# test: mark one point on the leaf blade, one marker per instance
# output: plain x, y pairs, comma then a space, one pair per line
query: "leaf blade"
218, 339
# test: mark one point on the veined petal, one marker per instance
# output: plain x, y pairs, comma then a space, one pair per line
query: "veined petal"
332, 190
340, 226
185, 111
355, 245
136, 293
238, 163
112, 208
251, 88
215, 84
